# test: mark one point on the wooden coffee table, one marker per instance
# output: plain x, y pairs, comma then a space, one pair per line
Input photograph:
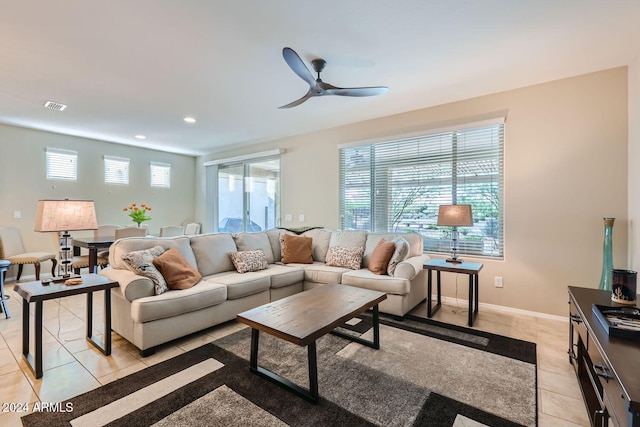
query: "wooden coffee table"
303, 318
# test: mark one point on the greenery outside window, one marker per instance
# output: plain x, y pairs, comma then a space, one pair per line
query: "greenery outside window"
397, 186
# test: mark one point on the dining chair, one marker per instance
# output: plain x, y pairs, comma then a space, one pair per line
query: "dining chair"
130, 232
12, 249
108, 231
171, 231
192, 228
4, 266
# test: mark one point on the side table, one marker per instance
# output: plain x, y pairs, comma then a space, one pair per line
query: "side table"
37, 292
470, 268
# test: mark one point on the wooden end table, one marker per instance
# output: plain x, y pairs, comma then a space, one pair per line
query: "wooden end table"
470, 268
37, 292
303, 318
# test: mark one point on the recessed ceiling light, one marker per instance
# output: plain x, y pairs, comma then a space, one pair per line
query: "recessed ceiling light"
189, 119
140, 137
52, 105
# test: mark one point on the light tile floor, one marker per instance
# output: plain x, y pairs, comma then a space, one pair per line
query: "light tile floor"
72, 366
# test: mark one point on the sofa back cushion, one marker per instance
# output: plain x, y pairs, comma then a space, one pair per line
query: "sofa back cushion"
320, 244
130, 244
212, 252
416, 244
348, 238
254, 242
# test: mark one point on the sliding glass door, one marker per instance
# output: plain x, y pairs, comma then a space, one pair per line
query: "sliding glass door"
248, 196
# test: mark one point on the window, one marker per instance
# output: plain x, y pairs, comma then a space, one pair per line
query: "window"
398, 185
160, 175
62, 164
116, 170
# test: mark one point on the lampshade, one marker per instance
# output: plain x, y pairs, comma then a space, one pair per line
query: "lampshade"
455, 215
66, 215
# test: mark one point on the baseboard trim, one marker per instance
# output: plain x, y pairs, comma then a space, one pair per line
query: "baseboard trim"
511, 310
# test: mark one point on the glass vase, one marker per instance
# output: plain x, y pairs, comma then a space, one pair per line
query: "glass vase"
607, 255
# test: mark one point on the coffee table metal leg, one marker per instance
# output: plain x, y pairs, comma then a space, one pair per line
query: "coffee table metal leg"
311, 395
376, 332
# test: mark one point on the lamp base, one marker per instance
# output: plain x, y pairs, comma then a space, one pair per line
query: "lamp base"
454, 260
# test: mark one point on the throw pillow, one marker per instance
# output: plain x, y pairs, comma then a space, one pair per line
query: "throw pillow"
141, 262
297, 249
177, 272
339, 256
380, 257
245, 261
399, 255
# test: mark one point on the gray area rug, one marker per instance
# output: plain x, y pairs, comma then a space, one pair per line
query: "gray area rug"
426, 373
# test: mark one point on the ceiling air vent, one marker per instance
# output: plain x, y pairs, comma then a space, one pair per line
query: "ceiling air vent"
54, 106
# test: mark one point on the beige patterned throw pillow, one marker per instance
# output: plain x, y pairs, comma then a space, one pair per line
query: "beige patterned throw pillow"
338, 256
399, 255
141, 262
245, 261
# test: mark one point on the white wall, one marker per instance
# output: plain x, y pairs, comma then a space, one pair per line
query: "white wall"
565, 169
23, 182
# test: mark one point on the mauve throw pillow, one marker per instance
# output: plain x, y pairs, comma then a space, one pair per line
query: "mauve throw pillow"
297, 249
178, 273
380, 257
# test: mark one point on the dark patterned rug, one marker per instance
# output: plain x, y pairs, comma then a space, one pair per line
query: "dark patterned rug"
426, 373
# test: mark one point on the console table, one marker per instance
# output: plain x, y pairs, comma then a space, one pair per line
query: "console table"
607, 367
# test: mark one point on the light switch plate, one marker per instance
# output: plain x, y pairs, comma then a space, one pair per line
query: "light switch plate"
288, 217
17, 214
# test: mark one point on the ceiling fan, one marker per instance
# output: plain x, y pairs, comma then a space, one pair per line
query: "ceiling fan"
316, 86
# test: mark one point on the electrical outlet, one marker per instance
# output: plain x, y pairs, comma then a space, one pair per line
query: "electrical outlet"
288, 217
301, 217
17, 214
497, 281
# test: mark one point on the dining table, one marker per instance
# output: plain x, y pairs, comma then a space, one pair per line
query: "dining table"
93, 244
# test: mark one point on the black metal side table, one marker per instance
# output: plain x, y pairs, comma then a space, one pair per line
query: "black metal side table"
38, 292
470, 268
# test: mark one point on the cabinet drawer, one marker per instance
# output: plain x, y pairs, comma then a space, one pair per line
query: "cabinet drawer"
613, 397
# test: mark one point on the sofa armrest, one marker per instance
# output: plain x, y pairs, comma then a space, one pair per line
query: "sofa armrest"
410, 267
132, 285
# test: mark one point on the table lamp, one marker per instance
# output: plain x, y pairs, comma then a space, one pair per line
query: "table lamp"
63, 216
455, 216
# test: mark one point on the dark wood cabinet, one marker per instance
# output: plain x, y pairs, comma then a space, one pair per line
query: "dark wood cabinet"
608, 368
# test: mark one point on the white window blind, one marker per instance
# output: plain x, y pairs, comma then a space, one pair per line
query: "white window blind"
62, 164
116, 170
398, 185
160, 174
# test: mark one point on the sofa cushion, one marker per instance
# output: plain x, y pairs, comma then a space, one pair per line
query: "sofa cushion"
255, 241
400, 254
339, 256
297, 249
416, 244
379, 260
212, 252
176, 302
348, 238
141, 262
242, 285
178, 273
281, 276
321, 273
129, 244
320, 245
364, 278
245, 261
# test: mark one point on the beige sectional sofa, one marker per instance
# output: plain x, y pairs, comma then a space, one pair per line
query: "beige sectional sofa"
148, 320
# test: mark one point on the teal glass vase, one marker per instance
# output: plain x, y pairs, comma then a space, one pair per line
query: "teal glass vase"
607, 255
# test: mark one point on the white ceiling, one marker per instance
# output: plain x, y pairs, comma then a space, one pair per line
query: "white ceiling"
129, 67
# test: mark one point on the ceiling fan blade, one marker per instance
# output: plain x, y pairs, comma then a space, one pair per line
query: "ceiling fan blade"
297, 65
358, 91
299, 101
